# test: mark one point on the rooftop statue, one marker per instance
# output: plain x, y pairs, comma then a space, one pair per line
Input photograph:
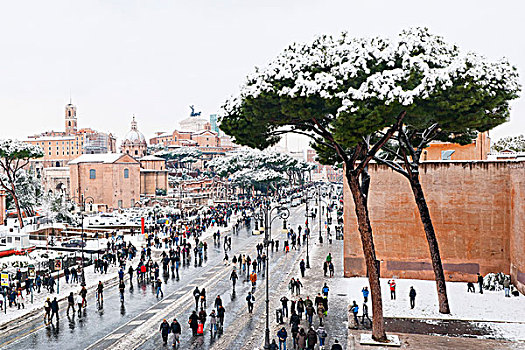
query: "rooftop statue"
193, 113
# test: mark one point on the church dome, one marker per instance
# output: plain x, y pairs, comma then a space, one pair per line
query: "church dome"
134, 135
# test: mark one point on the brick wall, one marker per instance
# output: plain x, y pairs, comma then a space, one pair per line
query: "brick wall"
477, 209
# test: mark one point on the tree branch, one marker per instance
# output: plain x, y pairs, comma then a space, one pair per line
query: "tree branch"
372, 152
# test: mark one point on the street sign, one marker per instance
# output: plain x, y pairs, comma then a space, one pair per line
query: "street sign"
31, 271
58, 264
4, 277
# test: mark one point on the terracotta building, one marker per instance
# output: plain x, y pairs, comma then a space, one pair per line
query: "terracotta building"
477, 150
194, 131
112, 179
62, 146
478, 211
153, 175
134, 143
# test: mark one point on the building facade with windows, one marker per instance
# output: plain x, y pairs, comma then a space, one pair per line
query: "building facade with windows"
62, 146
111, 179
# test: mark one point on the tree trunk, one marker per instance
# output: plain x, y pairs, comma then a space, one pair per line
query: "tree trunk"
365, 229
17, 205
433, 246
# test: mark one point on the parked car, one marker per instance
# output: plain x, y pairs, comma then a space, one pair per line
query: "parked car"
74, 243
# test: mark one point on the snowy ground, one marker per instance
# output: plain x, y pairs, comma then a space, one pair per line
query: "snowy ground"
505, 316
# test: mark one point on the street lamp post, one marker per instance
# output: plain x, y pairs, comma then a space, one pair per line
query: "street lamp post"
82, 202
307, 232
282, 213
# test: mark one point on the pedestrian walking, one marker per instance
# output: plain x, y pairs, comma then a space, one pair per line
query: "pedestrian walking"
164, 331
298, 286
203, 298
54, 309
175, 328
470, 287
412, 296
365, 292
213, 323
480, 283
325, 290
196, 295
321, 333
284, 303
47, 310
193, 321
355, 310
365, 314
311, 338
506, 287
301, 339
302, 267
392, 285
250, 299
220, 314
234, 277
282, 335
158, 285
80, 302
70, 303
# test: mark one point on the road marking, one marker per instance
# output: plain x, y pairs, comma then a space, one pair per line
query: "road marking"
21, 336
135, 322
115, 336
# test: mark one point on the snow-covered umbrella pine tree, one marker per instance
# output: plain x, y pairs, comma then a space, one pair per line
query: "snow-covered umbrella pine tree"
14, 156
351, 96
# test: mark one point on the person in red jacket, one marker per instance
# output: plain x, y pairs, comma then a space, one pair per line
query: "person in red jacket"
392, 285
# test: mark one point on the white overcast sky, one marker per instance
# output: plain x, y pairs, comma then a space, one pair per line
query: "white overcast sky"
155, 58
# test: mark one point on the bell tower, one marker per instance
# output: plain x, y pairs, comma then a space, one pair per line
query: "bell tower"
71, 119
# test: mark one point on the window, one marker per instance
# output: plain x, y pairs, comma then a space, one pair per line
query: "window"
92, 174
120, 203
136, 152
126, 173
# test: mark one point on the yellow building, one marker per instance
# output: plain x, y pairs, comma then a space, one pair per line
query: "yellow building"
62, 146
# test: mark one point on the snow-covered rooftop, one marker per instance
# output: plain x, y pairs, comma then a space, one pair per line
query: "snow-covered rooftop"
151, 157
97, 158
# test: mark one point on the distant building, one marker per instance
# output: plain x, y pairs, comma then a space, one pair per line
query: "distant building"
153, 175
213, 122
324, 173
197, 132
134, 143
112, 179
477, 150
62, 146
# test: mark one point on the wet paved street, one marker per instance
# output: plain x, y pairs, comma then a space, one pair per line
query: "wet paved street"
99, 327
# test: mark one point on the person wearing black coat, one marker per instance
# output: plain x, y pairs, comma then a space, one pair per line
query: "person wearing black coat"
311, 338
54, 309
164, 331
176, 330
194, 322
412, 295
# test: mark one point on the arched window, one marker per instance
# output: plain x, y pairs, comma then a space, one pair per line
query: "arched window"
92, 174
69, 115
69, 123
126, 173
136, 152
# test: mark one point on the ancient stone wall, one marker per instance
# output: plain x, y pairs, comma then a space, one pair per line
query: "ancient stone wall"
477, 208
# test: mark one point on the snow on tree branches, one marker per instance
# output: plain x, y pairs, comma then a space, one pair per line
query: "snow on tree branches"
510, 143
14, 156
